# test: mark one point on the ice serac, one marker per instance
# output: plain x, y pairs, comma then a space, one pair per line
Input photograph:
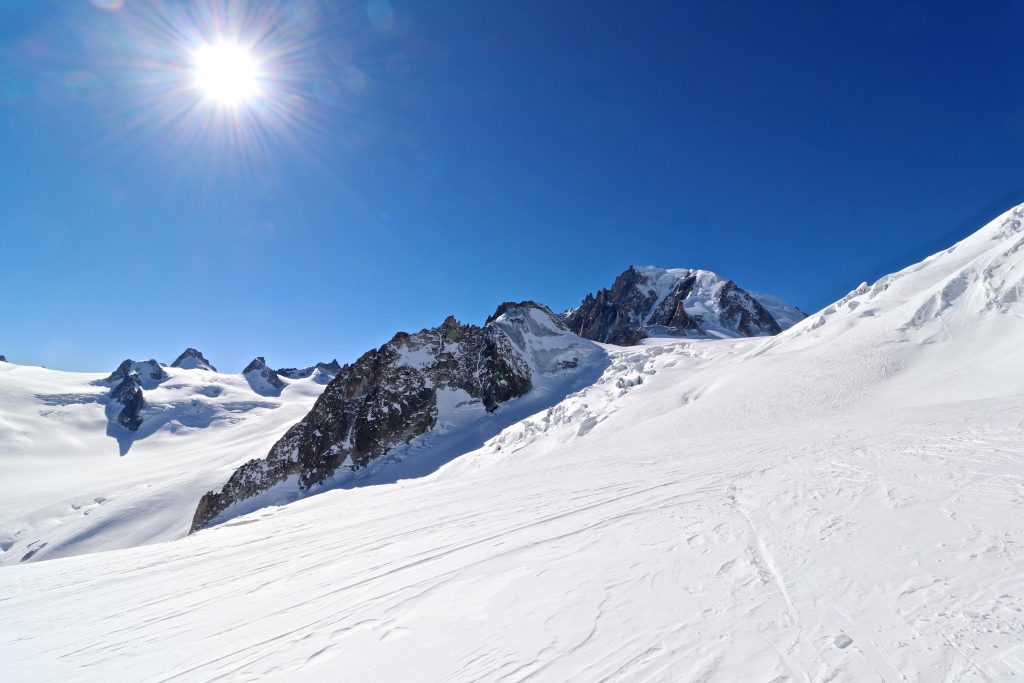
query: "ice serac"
651, 302
191, 359
391, 395
261, 378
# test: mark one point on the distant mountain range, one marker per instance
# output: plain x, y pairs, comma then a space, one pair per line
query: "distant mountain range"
416, 384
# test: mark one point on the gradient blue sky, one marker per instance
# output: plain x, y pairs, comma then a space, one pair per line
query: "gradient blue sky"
425, 158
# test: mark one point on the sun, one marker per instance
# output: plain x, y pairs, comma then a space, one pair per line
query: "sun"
226, 73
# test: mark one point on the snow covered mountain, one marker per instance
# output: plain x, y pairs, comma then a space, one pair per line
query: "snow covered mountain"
400, 391
95, 462
323, 372
262, 379
838, 502
649, 301
191, 359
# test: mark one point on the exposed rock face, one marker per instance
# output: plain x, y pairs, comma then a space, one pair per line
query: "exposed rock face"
127, 384
390, 396
146, 369
739, 311
333, 367
651, 301
616, 315
262, 378
191, 359
3, 359
129, 394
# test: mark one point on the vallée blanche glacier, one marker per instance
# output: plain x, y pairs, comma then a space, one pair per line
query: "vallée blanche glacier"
677, 479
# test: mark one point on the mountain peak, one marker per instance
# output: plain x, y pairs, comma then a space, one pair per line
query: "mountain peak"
521, 305
146, 369
257, 363
334, 367
192, 359
262, 379
324, 372
646, 301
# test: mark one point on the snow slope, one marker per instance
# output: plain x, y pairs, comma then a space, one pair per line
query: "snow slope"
840, 502
78, 483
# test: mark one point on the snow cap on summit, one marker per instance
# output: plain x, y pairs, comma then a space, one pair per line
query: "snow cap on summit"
191, 359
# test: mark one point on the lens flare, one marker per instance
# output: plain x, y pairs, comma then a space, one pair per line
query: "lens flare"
228, 88
227, 74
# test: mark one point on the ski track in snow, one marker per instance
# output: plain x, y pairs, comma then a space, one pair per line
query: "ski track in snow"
839, 503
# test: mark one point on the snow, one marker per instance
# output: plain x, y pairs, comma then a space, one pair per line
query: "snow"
786, 315
78, 483
545, 345
702, 302
194, 363
560, 364
840, 502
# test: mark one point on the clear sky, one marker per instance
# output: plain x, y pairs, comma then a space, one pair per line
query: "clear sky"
403, 161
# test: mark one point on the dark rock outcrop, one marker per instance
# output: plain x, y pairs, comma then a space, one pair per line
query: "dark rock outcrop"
743, 313
3, 359
191, 359
129, 394
650, 301
389, 396
616, 315
334, 367
670, 312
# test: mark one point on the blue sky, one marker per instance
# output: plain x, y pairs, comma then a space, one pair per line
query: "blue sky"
408, 160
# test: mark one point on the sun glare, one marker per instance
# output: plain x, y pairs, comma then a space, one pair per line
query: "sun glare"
226, 73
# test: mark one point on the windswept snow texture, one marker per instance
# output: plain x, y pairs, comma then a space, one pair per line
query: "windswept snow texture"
838, 503
75, 480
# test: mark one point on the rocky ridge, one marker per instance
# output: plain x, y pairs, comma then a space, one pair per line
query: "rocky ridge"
395, 393
128, 393
149, 369
132, 378
192, 359
649, 301
261, 377
321, 372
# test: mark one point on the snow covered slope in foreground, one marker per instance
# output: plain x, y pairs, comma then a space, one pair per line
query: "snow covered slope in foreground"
841, 502
72, 481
